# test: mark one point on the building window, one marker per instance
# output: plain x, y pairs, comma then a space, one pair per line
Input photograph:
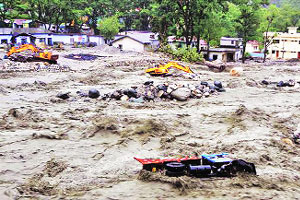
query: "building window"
215, 57
273, 52
121, 46
276, 41
4, 41
232, 42
42, 40
293, 51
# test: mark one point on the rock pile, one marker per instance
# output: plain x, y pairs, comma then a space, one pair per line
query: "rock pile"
150, 92
289, 83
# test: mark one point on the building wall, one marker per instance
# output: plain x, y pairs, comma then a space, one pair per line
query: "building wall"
252, 48
285, 47
214, 55
129, 44
230, 42
224, 56
42, 38
98, 39
69, 39
5, 38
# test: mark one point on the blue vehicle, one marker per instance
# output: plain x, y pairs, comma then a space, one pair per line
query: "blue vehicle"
216, 160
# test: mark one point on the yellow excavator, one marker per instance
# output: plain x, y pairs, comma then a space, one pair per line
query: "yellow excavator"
164, 69
29, 52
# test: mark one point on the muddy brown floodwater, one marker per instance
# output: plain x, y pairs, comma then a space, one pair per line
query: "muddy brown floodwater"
83, 148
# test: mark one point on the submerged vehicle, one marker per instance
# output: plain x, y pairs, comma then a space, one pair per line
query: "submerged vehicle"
208, 165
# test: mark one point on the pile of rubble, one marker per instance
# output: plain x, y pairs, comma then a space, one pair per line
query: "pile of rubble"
289, 83
10, 66
82, 56
150, 92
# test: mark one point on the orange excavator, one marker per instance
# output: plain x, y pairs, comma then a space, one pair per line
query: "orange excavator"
164, 69
29, 52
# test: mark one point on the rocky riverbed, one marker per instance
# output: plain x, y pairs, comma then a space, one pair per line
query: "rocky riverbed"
83, 148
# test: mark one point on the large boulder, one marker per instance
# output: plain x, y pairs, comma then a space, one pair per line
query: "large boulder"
181, 94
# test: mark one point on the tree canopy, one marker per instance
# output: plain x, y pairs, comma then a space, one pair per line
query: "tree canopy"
190, 19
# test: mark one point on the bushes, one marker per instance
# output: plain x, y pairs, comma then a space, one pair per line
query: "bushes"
183, 54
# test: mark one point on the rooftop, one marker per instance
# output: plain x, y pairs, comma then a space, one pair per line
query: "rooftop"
141, 36
224, 50
231, 39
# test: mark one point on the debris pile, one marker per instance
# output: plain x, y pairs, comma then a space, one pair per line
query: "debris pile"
149, 92
82, 56
10, 66
211, 165
289, 83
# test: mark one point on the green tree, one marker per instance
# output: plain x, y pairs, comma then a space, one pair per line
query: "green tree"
248, 23
268, 15
163, 19
212, 26
109, 27
289, 15
12, 10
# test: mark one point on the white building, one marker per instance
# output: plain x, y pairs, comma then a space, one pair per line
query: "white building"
284, 45
227, 42
139, 41
51, 38
252, 46
230, 50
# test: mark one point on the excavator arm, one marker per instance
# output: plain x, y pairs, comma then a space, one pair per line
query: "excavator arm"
22, 48
164, 69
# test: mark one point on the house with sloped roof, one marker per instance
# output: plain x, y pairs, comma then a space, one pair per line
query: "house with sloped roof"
138, 41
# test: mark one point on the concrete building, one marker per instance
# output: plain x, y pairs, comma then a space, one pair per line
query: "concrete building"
224, 54
51, 38
284, 45
227, 42
139, 41
39, 34
176, 42
230, 50
252, 46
